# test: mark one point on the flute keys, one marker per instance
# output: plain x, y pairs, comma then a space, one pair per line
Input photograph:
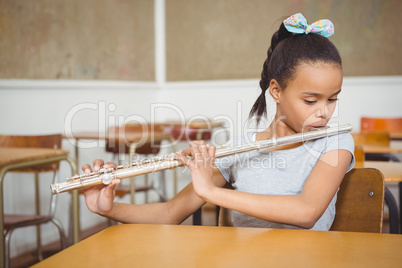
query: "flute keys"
108, 176
73, 178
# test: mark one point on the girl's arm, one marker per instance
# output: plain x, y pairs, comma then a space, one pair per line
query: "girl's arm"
99, 199
300, 210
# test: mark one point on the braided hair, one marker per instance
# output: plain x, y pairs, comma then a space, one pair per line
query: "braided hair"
286, 53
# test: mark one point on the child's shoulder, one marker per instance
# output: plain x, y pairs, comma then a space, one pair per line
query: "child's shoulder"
342, 138
343, 141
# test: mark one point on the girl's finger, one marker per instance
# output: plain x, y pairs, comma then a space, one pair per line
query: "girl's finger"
98, 164
86, 168
184, 159
211, 151
195, 151
110, 165
187, 151
109, 189
202, 147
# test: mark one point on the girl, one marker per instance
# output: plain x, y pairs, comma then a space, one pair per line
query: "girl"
291, 186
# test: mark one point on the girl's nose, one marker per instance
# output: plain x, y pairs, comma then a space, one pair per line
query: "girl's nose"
322, 112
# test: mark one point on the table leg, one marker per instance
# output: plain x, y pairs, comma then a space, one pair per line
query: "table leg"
197, 217
75, 204
32, 163
37, 211
400, 206
76, 152
2, 242
76, 216
393, 211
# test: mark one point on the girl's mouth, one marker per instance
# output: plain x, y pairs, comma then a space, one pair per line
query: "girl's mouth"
319, 126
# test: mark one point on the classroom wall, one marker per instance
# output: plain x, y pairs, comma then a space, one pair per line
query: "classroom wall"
211, 39
203, 40
22, 112
207, 66
91, 39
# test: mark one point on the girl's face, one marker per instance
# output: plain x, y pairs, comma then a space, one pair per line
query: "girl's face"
309, 100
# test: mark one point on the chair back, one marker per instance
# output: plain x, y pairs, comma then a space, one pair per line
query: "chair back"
42, 141
118, 143
372, 137
359, 156
188, 134
360, 202
190, 131
359, 206
153, 127
388, 124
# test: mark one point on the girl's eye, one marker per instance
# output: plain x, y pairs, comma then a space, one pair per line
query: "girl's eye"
332, 100
309, 102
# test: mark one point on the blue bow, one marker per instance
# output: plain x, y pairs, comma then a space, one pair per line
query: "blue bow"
297, 24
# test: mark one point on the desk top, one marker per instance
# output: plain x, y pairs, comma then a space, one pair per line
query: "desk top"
10, 155
129, 136
141, 245
396, 135
395, 147
195, 124
392, 171
135, 136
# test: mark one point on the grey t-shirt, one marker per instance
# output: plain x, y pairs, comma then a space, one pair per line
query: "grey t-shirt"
281, 172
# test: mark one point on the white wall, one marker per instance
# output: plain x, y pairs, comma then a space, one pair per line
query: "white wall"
30, 107
34, 107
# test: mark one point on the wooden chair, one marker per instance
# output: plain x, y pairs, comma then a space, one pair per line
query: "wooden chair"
375, 138
359, 206
15, 221
183, 133
387, 124
360, 202
359, 157
375, 126
146, 147
388, 197
372, 137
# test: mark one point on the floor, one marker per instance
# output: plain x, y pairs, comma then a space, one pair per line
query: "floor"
208, 219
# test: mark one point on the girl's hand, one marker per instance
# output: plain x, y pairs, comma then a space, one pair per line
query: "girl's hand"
201, 166
99, 198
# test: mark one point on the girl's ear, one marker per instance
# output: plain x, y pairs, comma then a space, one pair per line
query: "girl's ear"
275, 90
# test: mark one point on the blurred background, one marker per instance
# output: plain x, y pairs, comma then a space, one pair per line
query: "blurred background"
85, 65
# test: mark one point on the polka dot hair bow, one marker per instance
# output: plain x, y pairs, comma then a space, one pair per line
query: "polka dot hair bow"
297, 24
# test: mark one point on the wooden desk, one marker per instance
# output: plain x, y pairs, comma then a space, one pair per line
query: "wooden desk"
392, 170
395, 147
135, 137
195, 124
130, 137
207, 246
396, 135
124, 137
20, 158
188, 129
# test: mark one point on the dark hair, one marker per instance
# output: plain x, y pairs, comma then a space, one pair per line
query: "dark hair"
286, 53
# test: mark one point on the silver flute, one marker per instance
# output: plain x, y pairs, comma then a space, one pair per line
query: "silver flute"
106, 175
